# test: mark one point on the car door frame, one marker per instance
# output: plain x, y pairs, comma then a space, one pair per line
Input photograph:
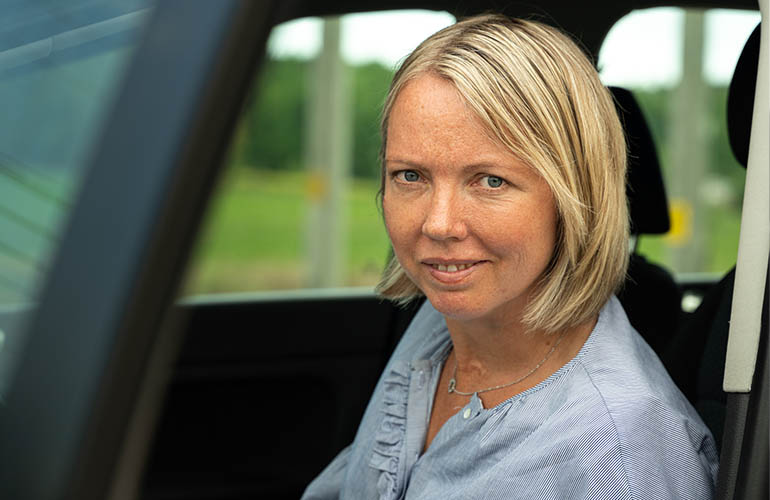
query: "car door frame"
100, 316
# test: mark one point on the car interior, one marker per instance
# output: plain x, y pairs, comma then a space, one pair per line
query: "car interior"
651, 297
149, 396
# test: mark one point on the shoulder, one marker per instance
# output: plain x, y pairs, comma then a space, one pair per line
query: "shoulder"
627, 374
665, 448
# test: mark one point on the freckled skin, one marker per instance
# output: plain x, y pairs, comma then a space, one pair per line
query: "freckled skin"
455, 208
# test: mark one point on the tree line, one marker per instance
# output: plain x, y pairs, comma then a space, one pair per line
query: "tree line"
271, 132
272, 128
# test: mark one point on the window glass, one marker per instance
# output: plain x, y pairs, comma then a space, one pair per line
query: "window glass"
678, 63
296, 207
60, 64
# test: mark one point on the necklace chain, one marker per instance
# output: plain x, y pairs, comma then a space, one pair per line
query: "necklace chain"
453, 380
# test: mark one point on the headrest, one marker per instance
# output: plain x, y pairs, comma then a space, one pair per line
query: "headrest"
740, 99
646, 195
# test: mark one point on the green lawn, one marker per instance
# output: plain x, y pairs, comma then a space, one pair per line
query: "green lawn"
719, 253
254, 236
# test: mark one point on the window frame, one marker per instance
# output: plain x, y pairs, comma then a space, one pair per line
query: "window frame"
99, 321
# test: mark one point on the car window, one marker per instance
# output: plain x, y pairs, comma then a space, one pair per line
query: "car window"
60, 65
678, 63
296, 208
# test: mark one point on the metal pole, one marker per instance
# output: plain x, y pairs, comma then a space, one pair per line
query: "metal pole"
328, 160
688, 160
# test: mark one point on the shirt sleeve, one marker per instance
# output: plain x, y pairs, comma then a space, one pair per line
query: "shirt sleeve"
667, 452
328, 484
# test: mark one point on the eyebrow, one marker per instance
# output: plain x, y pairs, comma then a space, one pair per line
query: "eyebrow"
403, 162
472, 167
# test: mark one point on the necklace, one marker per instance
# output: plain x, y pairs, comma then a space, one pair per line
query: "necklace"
453, 380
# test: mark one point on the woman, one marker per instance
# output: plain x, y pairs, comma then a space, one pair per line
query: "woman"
503, 191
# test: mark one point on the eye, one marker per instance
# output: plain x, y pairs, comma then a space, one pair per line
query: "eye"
492, 181
407, 176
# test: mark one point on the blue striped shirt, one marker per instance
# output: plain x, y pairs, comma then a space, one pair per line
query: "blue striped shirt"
610, 424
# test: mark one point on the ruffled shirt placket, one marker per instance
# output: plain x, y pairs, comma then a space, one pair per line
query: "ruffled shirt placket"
398, 443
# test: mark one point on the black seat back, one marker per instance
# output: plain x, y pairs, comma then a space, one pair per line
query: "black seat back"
650, 296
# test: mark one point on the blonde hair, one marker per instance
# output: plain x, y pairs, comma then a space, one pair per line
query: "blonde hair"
538, 95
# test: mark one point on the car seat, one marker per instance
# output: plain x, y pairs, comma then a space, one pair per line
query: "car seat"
696, 356
650, 296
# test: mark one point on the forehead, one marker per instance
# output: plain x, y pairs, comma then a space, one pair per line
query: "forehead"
430, 110
429, 98
431, 123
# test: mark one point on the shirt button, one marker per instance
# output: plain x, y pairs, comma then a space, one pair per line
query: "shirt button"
467, 413
421, 379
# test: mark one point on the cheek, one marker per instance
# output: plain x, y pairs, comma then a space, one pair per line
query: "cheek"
544, 235
403, 222
386, 210
525, 233
394, 218
549, 221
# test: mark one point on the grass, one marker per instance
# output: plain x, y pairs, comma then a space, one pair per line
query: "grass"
714, 252
254, 237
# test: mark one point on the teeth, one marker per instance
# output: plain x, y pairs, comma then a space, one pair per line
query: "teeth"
451, 268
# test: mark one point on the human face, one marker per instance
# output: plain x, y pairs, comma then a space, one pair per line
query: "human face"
472, 226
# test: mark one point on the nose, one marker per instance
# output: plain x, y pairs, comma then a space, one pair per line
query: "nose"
444, 219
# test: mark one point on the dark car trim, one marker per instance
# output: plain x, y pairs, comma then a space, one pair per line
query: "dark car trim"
117, 270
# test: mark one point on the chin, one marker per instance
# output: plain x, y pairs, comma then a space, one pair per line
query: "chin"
457, 306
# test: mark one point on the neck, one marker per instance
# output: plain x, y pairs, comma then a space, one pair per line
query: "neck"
490, 353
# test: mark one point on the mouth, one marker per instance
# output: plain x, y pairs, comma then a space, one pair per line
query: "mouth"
451, 268
452, 272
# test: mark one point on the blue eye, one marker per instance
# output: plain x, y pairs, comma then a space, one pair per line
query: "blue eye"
492, 181
409, 175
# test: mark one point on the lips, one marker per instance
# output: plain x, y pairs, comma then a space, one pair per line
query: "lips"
450, 271
451, 267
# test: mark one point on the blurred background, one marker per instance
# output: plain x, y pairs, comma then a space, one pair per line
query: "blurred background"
296, 207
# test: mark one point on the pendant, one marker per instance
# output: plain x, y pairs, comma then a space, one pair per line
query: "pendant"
452, 384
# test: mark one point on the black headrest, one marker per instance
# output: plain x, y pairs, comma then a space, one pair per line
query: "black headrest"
645, 191
740, 99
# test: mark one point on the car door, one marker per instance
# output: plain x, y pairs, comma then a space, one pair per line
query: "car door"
85, 360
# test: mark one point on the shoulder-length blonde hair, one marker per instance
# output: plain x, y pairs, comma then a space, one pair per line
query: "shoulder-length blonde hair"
538, 95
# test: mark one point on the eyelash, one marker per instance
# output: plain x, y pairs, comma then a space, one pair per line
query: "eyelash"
400, 176
503, 182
